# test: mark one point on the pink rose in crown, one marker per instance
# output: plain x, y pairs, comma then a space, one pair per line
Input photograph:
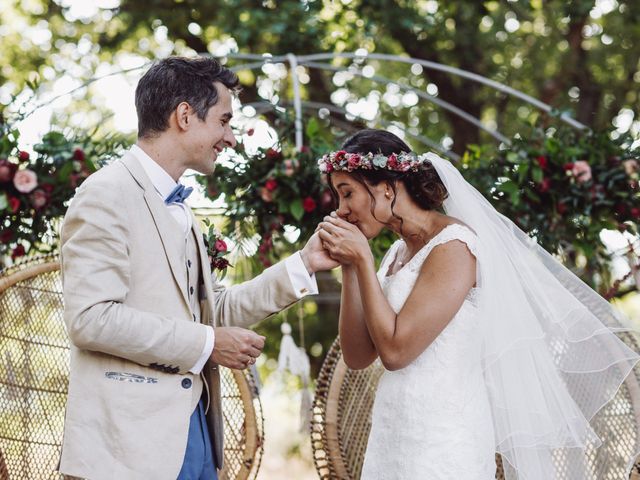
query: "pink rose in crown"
353, 161
25, 180
581, 171
392, 162
220, 246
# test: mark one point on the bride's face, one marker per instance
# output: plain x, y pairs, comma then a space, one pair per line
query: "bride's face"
355, 203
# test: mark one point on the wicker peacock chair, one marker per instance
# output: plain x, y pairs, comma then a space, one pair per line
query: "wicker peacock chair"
341, 420
33, 382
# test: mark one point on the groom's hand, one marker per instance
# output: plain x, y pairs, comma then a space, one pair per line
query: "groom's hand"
236, 347
316, 258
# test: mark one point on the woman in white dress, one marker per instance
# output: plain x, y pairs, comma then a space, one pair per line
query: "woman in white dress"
488, 343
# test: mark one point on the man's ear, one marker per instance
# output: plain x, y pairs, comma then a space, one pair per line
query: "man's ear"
182, 115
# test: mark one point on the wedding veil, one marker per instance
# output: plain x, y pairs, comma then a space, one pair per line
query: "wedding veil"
551, 358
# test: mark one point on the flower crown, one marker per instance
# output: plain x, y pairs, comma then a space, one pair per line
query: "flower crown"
342, 161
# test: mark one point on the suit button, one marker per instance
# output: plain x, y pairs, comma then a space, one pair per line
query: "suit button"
189, 263
186, 383
191, 290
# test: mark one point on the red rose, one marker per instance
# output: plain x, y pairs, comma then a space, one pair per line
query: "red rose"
271, 185
250, 132
635, 212
47, 187
273, 154
78, 154
568, 167
6, 236
353, 161
7, 170
542, 162
19, 251
561, 207
23, 156
329, 168
14, 204
544, 186
309, 204
620, 209
340, 154
304, 149
220, 246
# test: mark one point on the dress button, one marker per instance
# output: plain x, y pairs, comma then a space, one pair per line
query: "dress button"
186, 383
194, 316
189, 263
191, 290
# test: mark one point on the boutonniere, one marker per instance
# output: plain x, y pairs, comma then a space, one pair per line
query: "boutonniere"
216, 249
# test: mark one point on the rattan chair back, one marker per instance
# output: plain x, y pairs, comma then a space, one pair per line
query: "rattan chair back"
34, 371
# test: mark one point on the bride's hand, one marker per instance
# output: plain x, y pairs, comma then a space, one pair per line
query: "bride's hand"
344, 241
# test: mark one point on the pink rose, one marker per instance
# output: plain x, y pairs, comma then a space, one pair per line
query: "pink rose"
581, 171
266, 195
630, 166
289, 168
220, 246
25, 180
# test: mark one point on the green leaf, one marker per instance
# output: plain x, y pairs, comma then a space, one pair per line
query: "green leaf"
296, 209
312, 128
4, 201
537, 174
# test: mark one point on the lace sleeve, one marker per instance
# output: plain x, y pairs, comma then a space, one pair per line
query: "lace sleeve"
451, 232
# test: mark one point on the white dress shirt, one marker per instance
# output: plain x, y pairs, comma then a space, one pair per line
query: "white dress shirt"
303, 283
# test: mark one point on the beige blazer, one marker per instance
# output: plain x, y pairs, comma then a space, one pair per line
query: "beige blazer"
126, 308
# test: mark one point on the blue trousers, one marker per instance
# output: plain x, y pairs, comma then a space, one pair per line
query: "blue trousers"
198, 459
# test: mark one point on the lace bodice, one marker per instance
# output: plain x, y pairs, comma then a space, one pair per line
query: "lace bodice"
431, 419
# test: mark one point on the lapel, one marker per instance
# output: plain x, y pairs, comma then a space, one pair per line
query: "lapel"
208, 317
165, 224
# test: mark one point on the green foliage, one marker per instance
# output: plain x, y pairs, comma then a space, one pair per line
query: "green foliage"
35, 190
564, 187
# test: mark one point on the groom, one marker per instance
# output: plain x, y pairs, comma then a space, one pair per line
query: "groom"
149, 326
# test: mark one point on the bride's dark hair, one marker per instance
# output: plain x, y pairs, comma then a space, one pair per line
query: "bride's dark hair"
424, 186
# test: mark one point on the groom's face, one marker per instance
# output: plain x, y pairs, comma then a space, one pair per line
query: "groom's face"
207, 138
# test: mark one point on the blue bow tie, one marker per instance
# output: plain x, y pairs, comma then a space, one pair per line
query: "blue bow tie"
179, 194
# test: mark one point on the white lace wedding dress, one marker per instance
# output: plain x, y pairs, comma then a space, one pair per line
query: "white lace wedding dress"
432, 419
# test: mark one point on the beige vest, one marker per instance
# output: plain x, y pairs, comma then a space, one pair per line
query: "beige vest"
194, 290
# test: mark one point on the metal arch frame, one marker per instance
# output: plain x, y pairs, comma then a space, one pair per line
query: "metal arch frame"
309, 105
309, 61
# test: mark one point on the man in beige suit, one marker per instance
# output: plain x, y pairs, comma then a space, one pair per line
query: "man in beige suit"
148, 325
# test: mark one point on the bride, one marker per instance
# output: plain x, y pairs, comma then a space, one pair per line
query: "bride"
488, 343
